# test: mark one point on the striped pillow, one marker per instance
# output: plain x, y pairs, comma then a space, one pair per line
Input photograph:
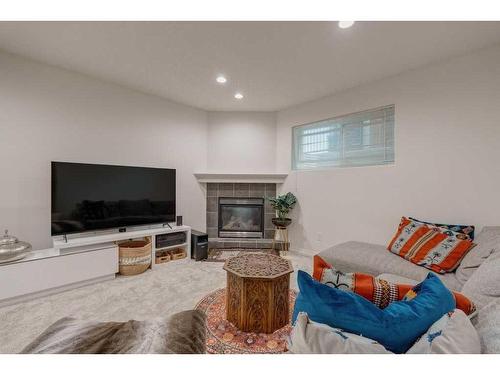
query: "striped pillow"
378, 291
429, 246
463, 232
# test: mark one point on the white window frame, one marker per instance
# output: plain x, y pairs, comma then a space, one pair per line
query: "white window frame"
389, 148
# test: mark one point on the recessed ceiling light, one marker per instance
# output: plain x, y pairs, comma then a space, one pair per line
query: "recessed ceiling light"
345, 24
238, 95
221, 79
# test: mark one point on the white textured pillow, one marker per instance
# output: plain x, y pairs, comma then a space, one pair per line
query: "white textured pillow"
484, 284
308, 337
452, 334
487, 243
487, 323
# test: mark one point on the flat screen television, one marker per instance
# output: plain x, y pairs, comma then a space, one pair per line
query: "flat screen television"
93, 197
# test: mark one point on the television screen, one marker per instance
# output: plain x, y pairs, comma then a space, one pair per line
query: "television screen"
92, 197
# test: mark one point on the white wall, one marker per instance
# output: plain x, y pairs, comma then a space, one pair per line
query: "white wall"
447, 156
447, 148
51, 114
242, 142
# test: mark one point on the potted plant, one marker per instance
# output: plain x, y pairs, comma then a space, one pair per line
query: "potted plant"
282, 204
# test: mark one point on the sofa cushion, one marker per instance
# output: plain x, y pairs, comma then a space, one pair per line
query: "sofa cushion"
396, 279
429, 246
308, 337
374, 259
396, 327
484, 284
453, 333
487, 243
487, 323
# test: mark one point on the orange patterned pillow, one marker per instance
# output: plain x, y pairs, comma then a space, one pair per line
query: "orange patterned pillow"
428, 246
378, 291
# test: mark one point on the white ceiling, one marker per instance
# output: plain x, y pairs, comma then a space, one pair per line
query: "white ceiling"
274, 64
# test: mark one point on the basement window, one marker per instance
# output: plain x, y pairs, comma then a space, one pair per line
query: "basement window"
358, 139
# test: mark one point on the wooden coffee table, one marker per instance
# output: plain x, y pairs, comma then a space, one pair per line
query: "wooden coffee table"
257, 297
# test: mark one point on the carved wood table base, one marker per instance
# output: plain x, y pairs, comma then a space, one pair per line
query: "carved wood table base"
257, 292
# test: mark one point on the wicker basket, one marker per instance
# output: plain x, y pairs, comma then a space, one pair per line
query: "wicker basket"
177, 253
134, 256
162, 256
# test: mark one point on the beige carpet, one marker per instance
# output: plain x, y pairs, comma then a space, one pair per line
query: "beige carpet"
170, 288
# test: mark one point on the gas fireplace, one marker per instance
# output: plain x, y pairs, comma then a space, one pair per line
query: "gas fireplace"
241, 217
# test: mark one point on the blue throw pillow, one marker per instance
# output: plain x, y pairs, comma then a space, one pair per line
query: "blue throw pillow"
396, 327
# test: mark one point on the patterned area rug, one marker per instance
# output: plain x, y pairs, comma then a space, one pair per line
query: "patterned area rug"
221, 255
224, 338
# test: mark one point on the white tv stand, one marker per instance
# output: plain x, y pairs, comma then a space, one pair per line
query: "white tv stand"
79, 261
75, 244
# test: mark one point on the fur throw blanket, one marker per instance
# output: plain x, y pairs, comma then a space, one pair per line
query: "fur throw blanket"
182, 333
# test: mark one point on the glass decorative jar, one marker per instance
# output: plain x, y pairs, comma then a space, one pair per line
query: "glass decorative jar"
11, 249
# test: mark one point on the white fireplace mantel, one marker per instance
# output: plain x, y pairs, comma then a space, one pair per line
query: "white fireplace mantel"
277, 178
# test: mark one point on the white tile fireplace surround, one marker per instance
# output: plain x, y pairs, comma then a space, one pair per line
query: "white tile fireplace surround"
257, 237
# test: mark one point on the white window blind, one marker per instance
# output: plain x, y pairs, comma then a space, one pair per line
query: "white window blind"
362, 138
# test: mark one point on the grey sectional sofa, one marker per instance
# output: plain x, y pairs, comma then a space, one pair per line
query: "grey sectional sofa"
478, 276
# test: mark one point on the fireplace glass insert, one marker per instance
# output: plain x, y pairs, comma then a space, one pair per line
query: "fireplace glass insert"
241, 217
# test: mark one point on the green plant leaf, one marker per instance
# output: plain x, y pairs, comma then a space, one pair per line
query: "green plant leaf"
283, 204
